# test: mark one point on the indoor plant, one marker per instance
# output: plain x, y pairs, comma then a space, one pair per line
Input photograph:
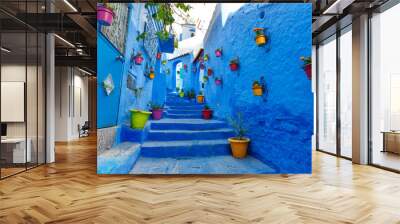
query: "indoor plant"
209, 72
261, 39
307, 66
257, 88
200, 97
105, 15
206, 112
156, 111
234, 64
218, 52
239, 143
138, 58
218, 81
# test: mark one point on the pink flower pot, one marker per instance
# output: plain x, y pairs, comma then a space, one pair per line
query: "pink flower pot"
218, 82
157, 114
307, 70
138, 60
105, 15
218, 53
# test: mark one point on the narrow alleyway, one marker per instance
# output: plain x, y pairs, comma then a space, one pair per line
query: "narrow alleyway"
184, 143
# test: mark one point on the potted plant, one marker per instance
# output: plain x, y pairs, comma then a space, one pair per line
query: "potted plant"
205, 79
164, 62
218, 81
218, 52
209, 72
181, 93
191, 94
151, 73
158, 55
156, 111
307, 66
261, 39
239, 143
257, 88
234, 64
138, 117
138, 58
206, 57
105, 15
200, 97
206, 112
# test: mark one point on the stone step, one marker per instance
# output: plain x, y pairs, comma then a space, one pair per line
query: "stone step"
186, 107
172, 135
193, 111
181, 104
183, 116
187, 124
185, 148
119, 159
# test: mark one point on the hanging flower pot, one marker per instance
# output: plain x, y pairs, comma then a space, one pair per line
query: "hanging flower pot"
257, 89
201, 66
234, 64
105, 15
151, 74
307, 66
185, 67
138, 58
218, 52
209, 72
158, 56
218, 81
206, 112
205, 79
206, 57
261, 39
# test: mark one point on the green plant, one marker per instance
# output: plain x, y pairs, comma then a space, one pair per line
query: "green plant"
306, 60
201, 93
155, 106
256, 83
206, 107
205, 78
217, 78
238, 126
165, 14
234, 61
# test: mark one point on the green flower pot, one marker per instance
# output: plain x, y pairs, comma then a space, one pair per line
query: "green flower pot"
181, 94
139, 118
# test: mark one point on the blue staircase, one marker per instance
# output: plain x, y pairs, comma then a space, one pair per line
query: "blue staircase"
184, 133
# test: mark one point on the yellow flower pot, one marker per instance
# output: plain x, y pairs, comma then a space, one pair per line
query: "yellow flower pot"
200, 99
261, 40
151, 75
257, 91
139, 118
239, 147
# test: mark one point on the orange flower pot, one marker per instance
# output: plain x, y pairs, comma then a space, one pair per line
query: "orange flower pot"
257, 91
261, 40
239, 147
200, 99
151, 75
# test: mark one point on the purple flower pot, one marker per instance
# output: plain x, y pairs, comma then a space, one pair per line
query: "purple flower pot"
157, 114
218, 82
105, 15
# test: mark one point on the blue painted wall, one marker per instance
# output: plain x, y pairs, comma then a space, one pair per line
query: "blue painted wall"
107, 106
281, 127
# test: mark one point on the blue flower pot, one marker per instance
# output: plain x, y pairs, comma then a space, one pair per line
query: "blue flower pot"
167, 45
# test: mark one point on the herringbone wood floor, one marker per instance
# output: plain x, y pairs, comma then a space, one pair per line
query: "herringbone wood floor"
69, 191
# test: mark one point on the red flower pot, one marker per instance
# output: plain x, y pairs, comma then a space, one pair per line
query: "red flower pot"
157, 114
138, 60
218, 82
158, 56
307, 70
105, 15
207, 114
209, 72
218, 53
234, 66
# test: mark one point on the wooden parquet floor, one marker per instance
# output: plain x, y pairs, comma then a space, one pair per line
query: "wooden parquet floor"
70, 191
